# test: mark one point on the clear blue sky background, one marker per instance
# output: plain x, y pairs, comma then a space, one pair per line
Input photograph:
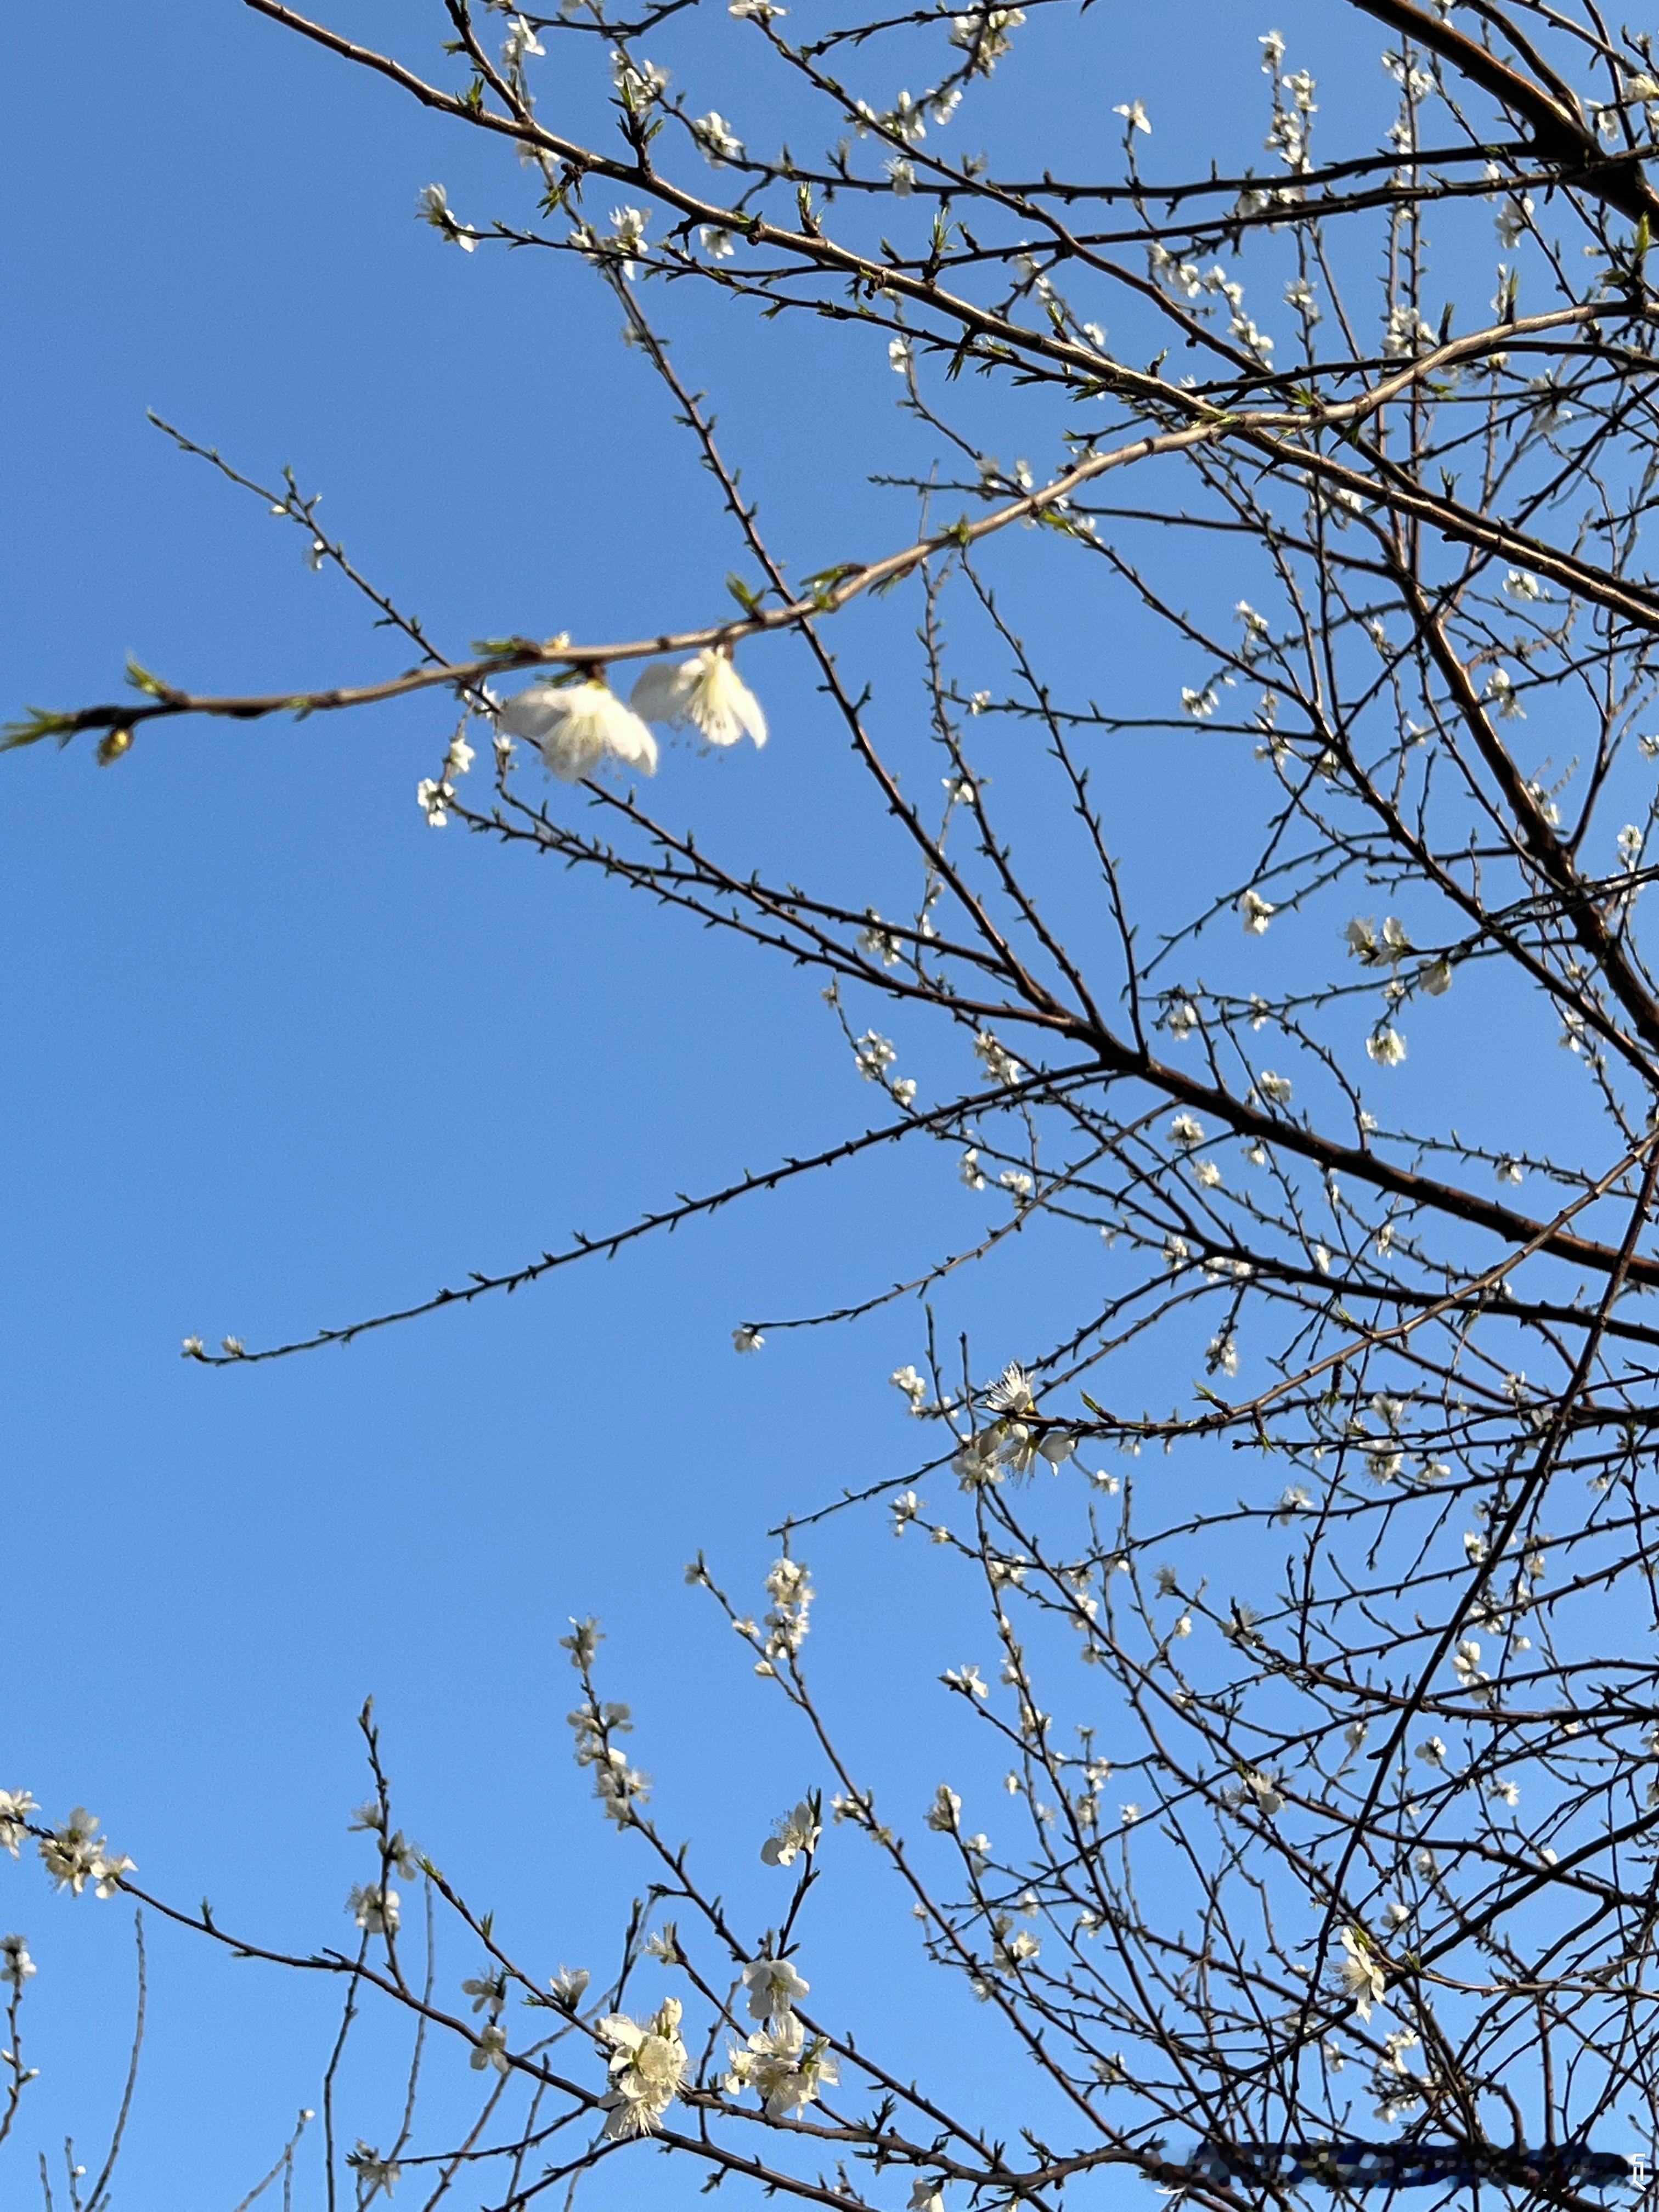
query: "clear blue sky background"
277, 1054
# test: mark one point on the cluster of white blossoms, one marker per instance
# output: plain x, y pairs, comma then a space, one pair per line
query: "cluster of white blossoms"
1009, 1443
784, 2067
789, 1586
796, 1833
15, 1964
998, 1062
913, 1386
983, 33
649, 2067
433, 794
618, 1786
75, 1854
579, 727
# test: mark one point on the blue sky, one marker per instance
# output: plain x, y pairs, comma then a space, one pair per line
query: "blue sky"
278, 1055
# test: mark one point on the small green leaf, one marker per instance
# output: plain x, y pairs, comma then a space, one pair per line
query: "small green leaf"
41, 723
141, 679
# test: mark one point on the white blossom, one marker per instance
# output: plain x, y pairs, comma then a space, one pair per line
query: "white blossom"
434, 208
1012, 1392
375, 1911
1386, 1047
568, 1986
705, 692
1134, 117
15, 1806
773, 1987
874, 1054
983, 33
520, 40
970, 1170
1500, 690
15, 1964
1274, 1089
1256, 913
648, 2066
374, 2171
746, 1340
797, 1831
913, 1385
431, 797
998, 1062
946, 1810
579, 727
1361, 1974
491, 2050
719, 142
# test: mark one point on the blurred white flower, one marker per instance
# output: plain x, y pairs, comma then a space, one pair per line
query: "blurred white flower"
577, 727
1256, 913
706, 692
719, 142
1386, 1047
746, 1340
376, 1911
520, 40
430, 797
568, 1987
374, 2171
15, 1806
1361, 1974
1134, 117
491, 2050
15, 1964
